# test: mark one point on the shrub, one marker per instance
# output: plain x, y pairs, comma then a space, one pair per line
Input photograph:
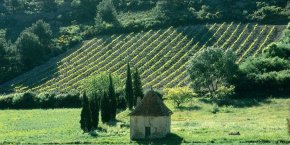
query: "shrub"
25, 100
6, 101
264, 73
70, 100
46, 100
277, 50
179, 95
215, 109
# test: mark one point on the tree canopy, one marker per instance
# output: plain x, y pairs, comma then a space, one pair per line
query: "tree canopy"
211, 68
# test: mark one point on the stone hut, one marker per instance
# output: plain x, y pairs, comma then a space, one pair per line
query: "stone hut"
150, 119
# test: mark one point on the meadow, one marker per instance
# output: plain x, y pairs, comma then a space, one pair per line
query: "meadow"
160, 55
198, 121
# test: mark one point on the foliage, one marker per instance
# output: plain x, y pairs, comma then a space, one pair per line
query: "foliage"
99, 84
264, 73
106, 16
33, 46
69, 36
25, 101
44, 33
86, 9
278, 50
30, 100
137, 87
129, 89
86, 118
179, 95
212, 68
269, 71
105, 108
113, 99
95, 108
30, 48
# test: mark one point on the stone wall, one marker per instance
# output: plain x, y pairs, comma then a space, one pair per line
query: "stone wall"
159, 126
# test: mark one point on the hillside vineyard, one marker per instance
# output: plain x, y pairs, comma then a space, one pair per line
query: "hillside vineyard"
160, 55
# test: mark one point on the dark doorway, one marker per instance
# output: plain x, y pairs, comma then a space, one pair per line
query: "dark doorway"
147, 132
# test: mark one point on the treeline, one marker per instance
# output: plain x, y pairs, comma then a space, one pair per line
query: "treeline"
33, 46
30, 100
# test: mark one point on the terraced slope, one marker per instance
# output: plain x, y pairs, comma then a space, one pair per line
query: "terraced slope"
160, 55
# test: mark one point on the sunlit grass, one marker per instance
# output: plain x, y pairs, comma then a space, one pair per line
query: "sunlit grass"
264, 122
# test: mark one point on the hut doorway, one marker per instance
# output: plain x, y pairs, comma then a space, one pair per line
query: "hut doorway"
147, 132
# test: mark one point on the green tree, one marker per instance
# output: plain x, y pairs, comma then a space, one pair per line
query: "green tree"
137, 86
165, 10
30, 49
113, 99
49, 5
212, 68
3, 61
99, 84
86, 118
95, 108
179, 95
87, 9
129, 89
105, 108
43, 31
106, 15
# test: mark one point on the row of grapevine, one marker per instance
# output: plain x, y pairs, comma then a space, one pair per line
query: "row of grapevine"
160, 55
254, 43
116, 60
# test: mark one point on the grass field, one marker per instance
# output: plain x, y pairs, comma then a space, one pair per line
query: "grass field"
160, 55
258, 121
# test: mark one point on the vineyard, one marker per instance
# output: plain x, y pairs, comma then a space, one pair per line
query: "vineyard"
161, 56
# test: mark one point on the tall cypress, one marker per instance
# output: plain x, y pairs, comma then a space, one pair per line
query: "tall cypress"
137, 86
105, 108
86, 119
95, 107
129, 89
113, 99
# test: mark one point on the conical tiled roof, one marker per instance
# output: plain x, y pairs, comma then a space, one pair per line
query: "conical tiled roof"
151, 105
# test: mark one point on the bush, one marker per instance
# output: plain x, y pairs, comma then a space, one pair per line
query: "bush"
46, 100
179, 95
25, 100
6, 101
264, 73
70, 100
277, 50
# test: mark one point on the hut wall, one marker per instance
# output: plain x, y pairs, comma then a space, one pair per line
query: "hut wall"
159, 126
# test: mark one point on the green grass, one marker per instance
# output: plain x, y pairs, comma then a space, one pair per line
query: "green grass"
262, 122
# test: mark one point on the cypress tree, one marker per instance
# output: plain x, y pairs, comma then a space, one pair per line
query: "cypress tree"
105, 108
95, 107
129, 89
137, 86
86, 119
113, 99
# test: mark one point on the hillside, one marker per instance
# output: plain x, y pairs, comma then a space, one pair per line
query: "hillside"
160, 55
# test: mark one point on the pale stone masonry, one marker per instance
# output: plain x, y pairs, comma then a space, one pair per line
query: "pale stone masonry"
151, 119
